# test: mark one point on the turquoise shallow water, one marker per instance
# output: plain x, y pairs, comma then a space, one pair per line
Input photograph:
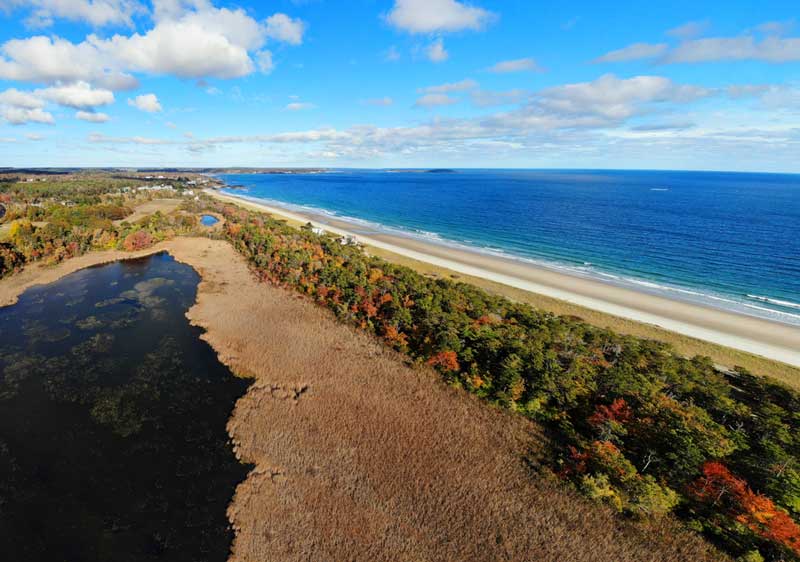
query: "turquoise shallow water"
728, 240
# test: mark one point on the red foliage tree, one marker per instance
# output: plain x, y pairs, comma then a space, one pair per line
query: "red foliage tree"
138, 240
618, 411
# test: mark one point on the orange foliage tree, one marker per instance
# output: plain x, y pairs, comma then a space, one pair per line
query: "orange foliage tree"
718, 485
445, 360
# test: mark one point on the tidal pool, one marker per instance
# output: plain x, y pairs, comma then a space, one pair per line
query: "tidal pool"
112, 421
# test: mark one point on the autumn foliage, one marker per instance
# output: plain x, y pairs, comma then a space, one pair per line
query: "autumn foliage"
719, 487
445, 360
633, 422
138, 240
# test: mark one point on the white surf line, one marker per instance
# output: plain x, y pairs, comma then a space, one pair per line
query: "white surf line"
692, 330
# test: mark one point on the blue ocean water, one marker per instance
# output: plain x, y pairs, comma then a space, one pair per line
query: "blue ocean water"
729, 240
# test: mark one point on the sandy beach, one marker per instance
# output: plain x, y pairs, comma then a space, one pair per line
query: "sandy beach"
772, 340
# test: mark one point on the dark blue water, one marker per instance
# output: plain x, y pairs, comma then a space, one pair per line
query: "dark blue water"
730, 240
113, 413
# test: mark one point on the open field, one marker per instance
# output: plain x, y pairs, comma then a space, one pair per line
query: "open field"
146, 209
360, 457
686, 344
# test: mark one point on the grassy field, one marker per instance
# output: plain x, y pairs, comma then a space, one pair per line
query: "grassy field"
150, 207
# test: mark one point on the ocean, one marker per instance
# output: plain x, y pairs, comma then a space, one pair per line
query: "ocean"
726, 240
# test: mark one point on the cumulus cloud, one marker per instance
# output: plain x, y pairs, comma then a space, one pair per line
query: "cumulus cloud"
190, 39
614, 98
146, 102
92, 117
16, 98
22, 115
636, 51
517, 65
94, 12
48, 60
436, 51
428, 16
283, 28
77, 96
435, 100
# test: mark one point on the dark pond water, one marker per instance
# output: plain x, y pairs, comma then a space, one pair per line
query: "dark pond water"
112, 421
208, 220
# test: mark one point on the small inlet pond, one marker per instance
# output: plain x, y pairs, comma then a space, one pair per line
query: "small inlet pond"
208, 220
112, 421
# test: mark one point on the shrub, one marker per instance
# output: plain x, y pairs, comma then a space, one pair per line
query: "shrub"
138, 240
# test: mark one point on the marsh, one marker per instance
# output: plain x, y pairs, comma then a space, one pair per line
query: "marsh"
113, 443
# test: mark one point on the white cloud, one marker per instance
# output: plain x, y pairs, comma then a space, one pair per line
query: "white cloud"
299, 106
461, 86
772, 49
428, 16
283, 28
190, 39
95, 12
517, 65
77, 96
778, 97
436, 51
613, 98
34, 137
435, 100
55, 60
146, 102
183, 49
92, 117
16, 98
264, 61
22, 116
636, 51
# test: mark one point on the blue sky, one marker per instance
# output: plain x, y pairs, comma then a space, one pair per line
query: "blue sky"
401, 83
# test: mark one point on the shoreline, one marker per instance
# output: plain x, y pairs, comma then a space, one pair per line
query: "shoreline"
770, 340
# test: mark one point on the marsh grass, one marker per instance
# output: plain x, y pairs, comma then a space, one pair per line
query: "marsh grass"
361, 456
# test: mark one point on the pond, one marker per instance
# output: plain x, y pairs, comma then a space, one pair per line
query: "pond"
208, 220
112, 421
